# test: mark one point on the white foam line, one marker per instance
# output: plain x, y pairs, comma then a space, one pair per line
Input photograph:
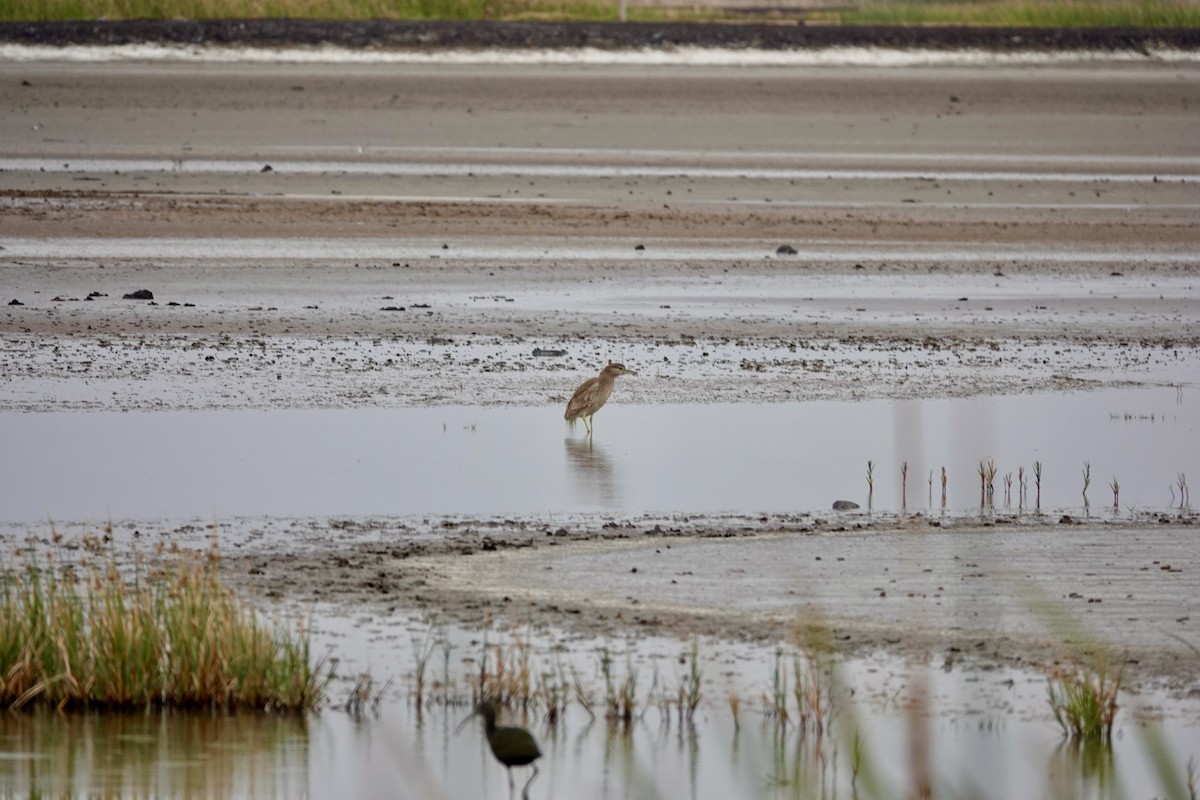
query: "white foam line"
664, 56
708, 156
417, 169
72, 202
189, 248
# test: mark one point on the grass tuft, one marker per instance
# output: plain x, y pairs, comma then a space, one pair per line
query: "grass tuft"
1005, 13
1084, 700
1021, 13
178, 638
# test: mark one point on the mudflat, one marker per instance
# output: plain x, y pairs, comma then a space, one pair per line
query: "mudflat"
337, 235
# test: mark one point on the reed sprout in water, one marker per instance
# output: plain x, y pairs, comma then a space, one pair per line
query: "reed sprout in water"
367, 695
690, 692
177, 637
870, 484
1037, 482
1087, 481
620, 698
987, 483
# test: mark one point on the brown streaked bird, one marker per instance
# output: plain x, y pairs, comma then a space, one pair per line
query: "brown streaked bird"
594, 393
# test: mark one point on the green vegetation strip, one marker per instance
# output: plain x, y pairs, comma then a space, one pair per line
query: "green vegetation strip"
84, 637
996, 13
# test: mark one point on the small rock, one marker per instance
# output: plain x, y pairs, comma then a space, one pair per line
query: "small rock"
844, 505
15, 302
140, 294
392, 308
542, 352
785, 250
267, 168
640, 247
1065, 519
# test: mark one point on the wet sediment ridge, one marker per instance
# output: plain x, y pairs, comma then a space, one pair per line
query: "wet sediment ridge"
524, 35
994, 588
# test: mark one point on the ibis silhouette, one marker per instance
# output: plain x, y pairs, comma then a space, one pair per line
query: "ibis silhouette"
512, 746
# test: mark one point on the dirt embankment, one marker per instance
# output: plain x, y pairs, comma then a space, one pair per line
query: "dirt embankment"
475, 34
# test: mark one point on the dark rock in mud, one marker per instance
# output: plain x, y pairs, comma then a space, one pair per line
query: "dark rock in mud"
15, 302
542, 352
785, 250
140, 294
844, 505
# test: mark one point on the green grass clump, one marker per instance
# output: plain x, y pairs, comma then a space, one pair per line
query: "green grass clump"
179, 638
513, 10
1084, 701
1023, 13
1008, 13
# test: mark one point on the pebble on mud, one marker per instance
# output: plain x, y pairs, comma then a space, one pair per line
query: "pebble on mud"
139, 294
844, 505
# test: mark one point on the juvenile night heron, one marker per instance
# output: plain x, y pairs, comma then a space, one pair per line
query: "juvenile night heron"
594, 393
512, 746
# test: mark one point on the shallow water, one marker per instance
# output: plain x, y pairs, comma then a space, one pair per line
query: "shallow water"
744, 458
988, 735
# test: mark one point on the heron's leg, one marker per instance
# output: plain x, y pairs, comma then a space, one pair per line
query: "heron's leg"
511, 787
587, 423
525, 792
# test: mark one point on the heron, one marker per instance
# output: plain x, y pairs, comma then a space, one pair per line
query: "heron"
594, 393
512, 746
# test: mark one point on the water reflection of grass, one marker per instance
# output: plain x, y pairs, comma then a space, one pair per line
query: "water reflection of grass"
81, 635
163, 753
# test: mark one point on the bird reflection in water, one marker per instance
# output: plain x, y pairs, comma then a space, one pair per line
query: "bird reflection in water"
592, 472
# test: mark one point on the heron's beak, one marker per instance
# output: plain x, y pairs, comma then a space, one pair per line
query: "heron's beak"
629, 372
463, 724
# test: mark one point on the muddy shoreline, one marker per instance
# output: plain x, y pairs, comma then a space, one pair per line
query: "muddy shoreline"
481, 572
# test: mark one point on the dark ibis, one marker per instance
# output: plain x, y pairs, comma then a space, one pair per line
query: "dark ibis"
512, 746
